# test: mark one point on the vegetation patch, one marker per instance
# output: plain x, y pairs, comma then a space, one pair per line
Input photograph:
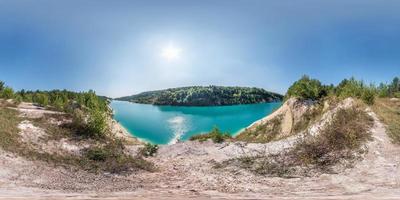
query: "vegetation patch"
148, 150
262, 133
9, 138
339, 141
84, 122
310, 116
389, 112
112, 158
216, 135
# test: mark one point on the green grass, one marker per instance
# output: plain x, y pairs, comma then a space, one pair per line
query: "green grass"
389, 113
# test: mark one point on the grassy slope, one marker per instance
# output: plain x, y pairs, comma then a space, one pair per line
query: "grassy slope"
389, 112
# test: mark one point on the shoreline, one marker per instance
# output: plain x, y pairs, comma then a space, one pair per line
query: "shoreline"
121, 132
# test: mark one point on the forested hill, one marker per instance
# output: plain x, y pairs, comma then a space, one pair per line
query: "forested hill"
204, 96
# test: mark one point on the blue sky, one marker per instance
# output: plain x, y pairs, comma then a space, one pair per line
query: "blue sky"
115, 47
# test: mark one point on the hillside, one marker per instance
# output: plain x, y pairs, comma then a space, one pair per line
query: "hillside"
230, 170
204, 96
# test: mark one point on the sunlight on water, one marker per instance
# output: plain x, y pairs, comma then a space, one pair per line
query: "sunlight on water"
179, 125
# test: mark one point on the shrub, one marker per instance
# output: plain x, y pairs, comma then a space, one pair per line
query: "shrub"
215, 135
347, 131
1, 86
41, 99
368, 97
97, 124
306, 88
350, 88
111, 158
7, 93
148, 150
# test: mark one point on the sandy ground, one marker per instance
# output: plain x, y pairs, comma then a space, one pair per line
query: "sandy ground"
185, 171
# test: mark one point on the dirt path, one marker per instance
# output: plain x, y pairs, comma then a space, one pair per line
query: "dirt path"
186, 172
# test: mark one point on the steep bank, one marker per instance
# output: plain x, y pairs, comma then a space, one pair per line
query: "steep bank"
291, 118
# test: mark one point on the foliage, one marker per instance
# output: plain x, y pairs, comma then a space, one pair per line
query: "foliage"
2, 84
148, 150
204, 96
368, 97
312, 89
97, 124
7, 93
64, 100
306, 88
215, 135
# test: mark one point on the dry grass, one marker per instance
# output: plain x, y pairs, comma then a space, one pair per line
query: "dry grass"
9, 121
263, 133
346, 133
308, 118
389, 113
107, 155
339, 141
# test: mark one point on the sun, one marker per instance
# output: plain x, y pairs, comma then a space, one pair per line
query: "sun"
171, 53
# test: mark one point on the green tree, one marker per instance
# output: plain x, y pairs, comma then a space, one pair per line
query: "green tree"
368, 96
394, 86
97, 124
7, 93
350, 88
1, 86
41, 99
306, 88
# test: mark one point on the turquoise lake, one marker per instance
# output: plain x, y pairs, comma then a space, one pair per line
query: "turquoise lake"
168, 124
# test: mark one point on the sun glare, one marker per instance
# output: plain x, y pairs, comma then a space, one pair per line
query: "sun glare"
171, 53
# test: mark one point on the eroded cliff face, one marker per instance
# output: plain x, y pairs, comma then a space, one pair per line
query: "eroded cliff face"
293, 117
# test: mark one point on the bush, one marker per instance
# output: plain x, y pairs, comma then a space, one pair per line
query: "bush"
97, 124
350, 88
41, 99
215, 135
348, 130
7, 93
306, 88
368, 97
148, 150
111, 158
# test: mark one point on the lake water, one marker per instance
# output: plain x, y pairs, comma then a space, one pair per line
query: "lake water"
168, 124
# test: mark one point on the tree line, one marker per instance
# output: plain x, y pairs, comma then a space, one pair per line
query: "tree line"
204, 96
88, 110
308, 88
